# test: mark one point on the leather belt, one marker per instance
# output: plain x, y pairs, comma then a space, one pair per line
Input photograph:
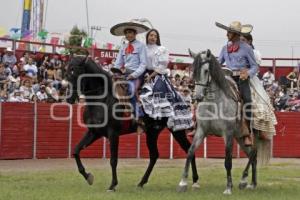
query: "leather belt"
236, 72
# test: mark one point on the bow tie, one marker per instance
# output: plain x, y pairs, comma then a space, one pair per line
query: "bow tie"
233, 48
129, 49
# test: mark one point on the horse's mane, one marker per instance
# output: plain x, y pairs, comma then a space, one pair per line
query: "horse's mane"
216, 72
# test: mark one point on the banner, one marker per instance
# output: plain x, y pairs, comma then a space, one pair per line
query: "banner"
15, 33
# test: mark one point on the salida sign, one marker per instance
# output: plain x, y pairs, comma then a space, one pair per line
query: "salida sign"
108, 54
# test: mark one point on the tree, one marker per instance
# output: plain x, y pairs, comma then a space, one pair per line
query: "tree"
75, 39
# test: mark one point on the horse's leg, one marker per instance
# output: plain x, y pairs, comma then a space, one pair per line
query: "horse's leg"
87, 139
198, 138
151, 139
114, 145
254, 162
185, 144
254, 170
228, 163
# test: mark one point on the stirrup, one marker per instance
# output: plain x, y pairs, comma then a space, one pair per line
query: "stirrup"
140, 126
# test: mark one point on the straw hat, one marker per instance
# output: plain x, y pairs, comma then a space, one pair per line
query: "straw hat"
236, 27
118, 29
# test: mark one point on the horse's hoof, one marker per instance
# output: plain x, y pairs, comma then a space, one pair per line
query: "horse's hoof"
111, 190
90, 179
251, 187
227, 192
140, 186
196, 186
182, 188
243, 185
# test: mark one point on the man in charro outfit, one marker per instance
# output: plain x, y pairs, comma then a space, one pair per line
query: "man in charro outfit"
132, 60
239, 57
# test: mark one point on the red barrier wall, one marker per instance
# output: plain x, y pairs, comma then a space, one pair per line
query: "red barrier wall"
55, 139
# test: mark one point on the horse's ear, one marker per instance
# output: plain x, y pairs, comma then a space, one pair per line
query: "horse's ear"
208, 53
192, 54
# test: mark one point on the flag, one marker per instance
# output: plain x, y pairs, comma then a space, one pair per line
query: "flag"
27, 35
43, 34
109, 46
87, 42
54, 40
15, 33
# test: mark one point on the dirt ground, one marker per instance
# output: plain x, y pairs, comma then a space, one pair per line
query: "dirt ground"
32, 165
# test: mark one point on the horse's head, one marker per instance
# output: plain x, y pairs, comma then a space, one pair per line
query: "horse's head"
85, 77
76, 67
202, 75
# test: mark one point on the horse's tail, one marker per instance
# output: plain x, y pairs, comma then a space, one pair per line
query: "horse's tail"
264, 150
263, 146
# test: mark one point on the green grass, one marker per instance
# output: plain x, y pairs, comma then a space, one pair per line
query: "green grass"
274, 183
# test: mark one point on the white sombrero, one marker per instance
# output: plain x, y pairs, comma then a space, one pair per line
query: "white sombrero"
118, 29
237, 27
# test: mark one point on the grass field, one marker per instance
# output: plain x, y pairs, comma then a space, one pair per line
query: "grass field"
59, 180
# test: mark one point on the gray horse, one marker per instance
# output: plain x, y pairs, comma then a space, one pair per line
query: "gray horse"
219, 114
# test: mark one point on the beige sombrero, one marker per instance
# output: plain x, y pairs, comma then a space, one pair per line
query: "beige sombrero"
236, 27
118, 29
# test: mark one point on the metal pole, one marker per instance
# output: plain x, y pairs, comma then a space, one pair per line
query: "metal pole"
0, 122
104, 148
138, 155
205, 147
87, 17
171, 146
272, 147
70, 130
274, 66
34, 129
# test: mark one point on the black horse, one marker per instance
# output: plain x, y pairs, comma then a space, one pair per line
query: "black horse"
101, 109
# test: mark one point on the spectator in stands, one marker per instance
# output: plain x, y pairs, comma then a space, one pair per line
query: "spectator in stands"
186, 94
9, 58
176, 71
41, 94
3, 78
281, 100
112, 63
268, 78
16, 96
26, 90
187, 71
31, 69
25, 58
51, 93
293, 78
56, 62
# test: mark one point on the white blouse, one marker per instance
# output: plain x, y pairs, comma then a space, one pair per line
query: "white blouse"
157, 59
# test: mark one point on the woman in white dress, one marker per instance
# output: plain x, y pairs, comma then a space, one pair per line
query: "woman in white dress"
159, 98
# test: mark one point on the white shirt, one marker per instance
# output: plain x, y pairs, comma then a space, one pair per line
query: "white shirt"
157, 59
268, 78
41, 96
31, 70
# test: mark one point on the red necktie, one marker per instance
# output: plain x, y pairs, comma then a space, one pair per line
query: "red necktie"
233, 48
129, 49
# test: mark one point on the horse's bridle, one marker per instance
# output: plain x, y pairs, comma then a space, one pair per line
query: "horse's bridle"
208, 82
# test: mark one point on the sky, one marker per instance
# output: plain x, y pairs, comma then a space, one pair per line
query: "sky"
182, 24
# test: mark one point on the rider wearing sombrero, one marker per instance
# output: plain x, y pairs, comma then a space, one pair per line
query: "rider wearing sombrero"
132, 59
239, 57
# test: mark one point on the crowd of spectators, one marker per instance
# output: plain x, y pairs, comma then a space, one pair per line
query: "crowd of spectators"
38, 78
285, 92
31, 78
